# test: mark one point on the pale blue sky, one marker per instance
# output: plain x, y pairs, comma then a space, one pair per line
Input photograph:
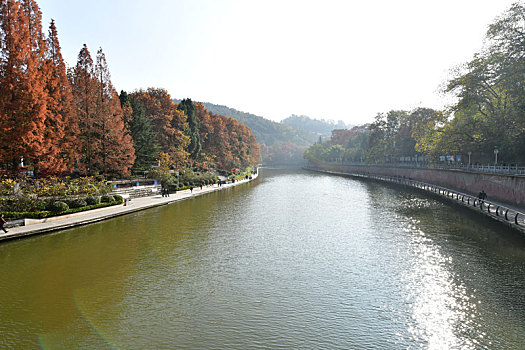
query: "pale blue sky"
331, 59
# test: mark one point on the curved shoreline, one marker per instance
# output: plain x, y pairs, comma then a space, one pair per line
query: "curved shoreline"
467, 201
58, 223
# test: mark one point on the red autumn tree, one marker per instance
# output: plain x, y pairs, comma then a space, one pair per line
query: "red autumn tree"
115, 153
22, 96
226, 142
61, 148
167, 122
106, 146
84, 86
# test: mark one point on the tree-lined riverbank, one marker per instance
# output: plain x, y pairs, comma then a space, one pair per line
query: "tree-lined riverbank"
36, 227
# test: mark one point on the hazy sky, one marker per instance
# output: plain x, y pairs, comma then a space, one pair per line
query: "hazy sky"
331, 59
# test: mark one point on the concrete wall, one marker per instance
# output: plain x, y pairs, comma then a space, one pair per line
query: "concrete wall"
505, 188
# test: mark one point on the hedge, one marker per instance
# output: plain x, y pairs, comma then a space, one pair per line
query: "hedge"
46, 213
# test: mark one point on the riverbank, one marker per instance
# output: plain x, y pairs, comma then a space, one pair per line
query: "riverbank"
42, 226
505, 188
511, 216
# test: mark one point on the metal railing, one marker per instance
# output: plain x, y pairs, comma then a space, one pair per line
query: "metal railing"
511, 216
499, 169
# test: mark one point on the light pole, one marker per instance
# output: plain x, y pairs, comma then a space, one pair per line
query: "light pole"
469, 154
496, 155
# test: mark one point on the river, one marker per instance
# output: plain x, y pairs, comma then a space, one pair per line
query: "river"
293, 260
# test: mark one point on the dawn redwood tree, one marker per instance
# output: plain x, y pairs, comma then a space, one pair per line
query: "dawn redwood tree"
217, 143
85, 92
61, 148
22, 94
106, 146
114, 153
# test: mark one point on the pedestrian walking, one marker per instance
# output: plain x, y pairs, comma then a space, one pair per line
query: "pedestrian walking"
482, 195
2, 223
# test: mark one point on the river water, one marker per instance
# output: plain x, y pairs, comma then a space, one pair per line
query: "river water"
294, 260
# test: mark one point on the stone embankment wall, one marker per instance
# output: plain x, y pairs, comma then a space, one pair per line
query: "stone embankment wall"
499, 187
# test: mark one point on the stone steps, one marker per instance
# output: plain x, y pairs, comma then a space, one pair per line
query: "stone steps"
137, 191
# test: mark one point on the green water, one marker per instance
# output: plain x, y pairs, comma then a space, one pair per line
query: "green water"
294, 260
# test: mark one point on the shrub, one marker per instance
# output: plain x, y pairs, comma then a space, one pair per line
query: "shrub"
44, 214
91, 200
22, 204
107, 198
118, 198
77, 203
57, 207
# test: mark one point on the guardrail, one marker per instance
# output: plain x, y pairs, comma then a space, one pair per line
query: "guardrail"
499, 169
511, 216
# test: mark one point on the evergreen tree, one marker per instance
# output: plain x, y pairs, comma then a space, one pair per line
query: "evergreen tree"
194, 148
144, 138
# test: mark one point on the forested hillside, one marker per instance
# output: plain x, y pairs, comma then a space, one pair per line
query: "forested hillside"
314, 127
280, 144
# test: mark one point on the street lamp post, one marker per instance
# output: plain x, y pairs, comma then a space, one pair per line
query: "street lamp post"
496, 155
469, 154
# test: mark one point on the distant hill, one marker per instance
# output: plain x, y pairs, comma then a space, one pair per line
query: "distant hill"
315, 127
266, 131
281, 143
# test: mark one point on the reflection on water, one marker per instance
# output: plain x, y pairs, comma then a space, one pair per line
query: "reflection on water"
441, 307
295, 260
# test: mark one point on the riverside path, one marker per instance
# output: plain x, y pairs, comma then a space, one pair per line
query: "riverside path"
82, 218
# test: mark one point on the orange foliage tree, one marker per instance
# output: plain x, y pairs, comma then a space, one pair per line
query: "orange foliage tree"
115, 147
61, 148
22, 94
85, 90
167, 122
106, 146
225, 141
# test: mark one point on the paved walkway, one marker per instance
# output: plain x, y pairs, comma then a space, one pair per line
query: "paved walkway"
77, 219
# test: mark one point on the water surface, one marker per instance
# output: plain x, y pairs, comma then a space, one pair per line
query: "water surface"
294, 260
